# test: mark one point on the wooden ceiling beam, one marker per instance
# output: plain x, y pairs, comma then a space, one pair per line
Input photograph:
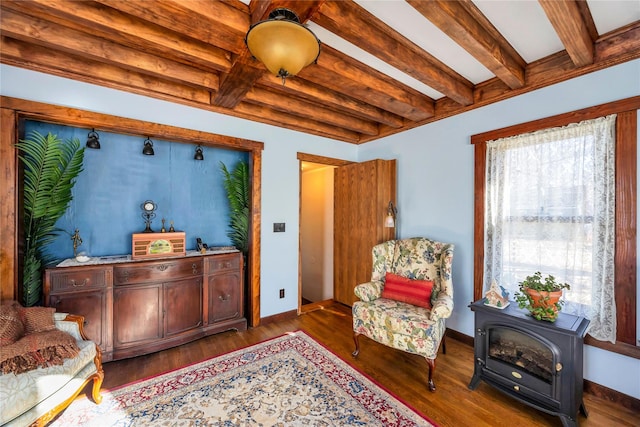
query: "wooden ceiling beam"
63, 64
201, 61
617, 47
48, 61
212, 22
325, 96
467, 26
260, 9
99, 20
355, 24
587, 18
35, 30
345, 75
264, 114
566, 18
309, 110
235, 84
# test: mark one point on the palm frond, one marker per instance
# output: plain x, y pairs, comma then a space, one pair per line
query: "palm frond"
236, 184
51, 167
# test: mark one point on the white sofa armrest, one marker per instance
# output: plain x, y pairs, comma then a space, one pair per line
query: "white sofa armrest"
73, 325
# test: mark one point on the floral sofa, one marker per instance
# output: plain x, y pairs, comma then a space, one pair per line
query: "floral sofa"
36, 396
421, 269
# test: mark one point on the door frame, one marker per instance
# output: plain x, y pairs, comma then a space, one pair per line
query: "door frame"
328, 161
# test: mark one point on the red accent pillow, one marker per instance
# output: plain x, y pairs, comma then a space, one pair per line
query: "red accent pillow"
403, 289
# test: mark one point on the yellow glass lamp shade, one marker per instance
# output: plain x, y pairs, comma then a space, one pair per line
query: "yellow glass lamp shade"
283, 45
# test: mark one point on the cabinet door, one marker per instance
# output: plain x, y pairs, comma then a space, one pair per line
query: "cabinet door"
182, 306
224, 297
137, 314
91, 305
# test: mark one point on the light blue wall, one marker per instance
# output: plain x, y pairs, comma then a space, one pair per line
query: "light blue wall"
280, 173
435, 176
116, 180
436, 187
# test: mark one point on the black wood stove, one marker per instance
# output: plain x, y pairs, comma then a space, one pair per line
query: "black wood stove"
536, 362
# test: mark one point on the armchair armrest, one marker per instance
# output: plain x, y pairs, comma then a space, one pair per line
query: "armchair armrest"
442, 307
369, 291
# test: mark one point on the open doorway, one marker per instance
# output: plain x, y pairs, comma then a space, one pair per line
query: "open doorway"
316, 234
317, 267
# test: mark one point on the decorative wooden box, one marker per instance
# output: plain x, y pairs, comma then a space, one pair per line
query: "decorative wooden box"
157, 245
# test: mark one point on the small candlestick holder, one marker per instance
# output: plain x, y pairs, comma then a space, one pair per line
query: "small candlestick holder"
77, 241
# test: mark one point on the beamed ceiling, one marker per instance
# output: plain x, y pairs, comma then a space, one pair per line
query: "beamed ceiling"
384, 67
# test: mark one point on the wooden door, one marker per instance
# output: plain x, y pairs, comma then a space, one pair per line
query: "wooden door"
362, 192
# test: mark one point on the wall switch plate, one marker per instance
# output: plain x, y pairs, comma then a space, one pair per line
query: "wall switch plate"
278, 227
281, 293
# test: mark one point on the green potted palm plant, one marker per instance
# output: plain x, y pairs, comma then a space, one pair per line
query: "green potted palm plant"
541, 297
51, 167
236, 184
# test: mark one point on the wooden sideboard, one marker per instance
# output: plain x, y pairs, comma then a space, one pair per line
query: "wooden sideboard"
138, 307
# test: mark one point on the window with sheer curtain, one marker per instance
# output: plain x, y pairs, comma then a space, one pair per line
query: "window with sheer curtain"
550, 207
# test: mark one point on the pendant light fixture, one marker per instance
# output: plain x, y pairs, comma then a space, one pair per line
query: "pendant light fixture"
283, 44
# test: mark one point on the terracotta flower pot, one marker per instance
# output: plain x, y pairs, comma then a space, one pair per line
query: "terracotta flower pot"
544, 299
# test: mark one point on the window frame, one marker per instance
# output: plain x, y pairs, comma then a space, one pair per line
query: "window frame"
626, 209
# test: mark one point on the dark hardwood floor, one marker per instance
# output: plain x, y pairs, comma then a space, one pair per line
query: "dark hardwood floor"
404, 375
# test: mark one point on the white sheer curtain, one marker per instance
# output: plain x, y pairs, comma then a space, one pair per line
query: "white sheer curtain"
550, 207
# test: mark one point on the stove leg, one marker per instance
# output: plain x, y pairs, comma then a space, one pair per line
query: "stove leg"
583, 410
474, 382
567, 421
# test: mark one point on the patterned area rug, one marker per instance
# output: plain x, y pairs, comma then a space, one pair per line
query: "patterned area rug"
287, 381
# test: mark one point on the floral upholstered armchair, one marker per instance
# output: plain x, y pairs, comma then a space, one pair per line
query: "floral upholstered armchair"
410, 295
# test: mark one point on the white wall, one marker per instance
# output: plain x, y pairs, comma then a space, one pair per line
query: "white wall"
436, 189
435, 176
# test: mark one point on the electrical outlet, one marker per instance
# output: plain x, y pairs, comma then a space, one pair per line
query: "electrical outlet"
281, 293
278, 227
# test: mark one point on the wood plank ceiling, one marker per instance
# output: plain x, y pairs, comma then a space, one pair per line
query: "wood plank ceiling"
193, 52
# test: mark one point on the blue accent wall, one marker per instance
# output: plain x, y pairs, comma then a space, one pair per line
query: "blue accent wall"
116, 180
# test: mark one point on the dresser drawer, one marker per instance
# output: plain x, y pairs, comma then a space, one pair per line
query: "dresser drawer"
219, 263
157, 271
76, 280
